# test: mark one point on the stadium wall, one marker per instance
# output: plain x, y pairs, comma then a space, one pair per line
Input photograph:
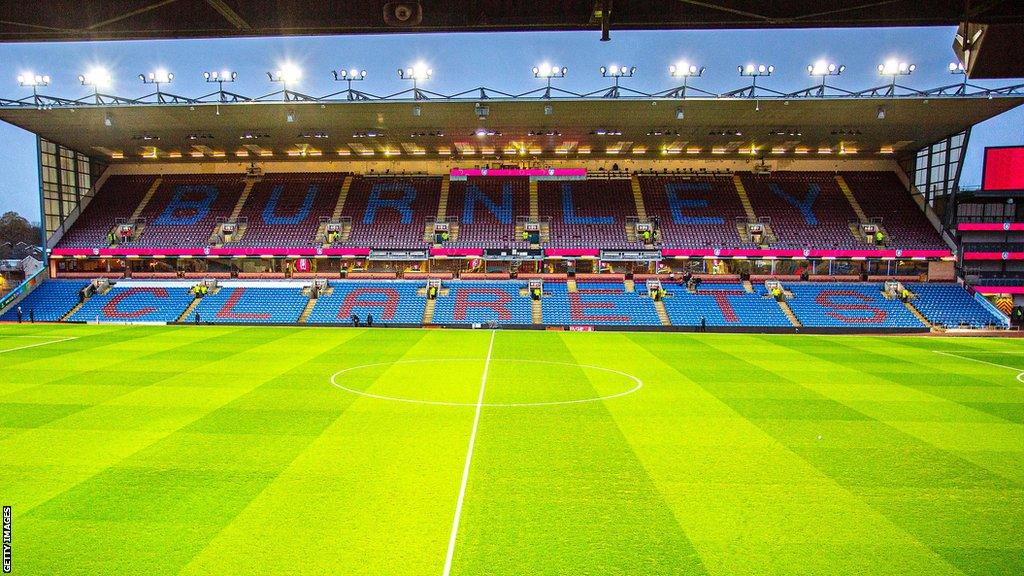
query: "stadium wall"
441, 167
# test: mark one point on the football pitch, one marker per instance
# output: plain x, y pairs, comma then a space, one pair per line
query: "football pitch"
259, 450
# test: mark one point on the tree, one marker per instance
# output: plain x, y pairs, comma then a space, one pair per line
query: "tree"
14, 228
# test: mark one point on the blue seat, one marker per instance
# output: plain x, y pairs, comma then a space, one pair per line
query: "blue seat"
50, 301
256, 305
477, 302
847, 305
135, 304
723, 305
599, 304
951, 306
390, 302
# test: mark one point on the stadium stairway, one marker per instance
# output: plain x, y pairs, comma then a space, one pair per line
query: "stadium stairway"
428, 310
917, 313
638, 197
145, 199
307, 310
659, 307
537, 311
534, 202
442, 204
744, 199
845, 188
188, 310
249, 183
340, 206
789, 313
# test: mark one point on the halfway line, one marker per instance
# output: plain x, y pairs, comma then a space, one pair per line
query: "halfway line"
469, 460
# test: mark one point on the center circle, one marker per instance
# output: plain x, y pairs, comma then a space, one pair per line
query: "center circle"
608, 382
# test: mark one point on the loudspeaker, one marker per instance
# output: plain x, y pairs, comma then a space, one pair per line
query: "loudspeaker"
403, 14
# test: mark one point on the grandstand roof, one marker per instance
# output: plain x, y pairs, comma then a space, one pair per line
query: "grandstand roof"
137, 19
381, 128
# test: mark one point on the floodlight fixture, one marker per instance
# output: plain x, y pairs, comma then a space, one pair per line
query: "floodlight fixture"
957, 68
823, 68
30, 79
96, 77
756, 70
221, 76
157, 77
34, 81
685, 70
546, 70
614, 71
893, 67
416, 72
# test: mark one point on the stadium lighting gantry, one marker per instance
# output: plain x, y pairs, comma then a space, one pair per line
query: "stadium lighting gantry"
159, 77
220, 77
616, 72
98, 78
824, 69
684, 70
754, 71
33, 80
547, 71
957, 68
895, 68
350, 75
285, 75
416, 72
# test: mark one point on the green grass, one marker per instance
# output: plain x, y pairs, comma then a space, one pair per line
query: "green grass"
226, 450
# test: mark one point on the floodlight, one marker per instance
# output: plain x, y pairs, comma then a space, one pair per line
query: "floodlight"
416, 72
618, 71
96, 77
957, 68
683, 70
893, 67
222, 76
756, 70
158, 77
30, 79
822, 68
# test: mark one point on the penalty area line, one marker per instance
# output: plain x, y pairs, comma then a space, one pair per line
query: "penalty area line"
39, 344
469, 461
951, 355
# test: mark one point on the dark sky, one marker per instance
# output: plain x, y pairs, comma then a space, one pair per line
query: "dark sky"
463, 61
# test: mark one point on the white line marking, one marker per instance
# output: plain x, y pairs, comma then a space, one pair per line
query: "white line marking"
1017, 370
469, 460
39, 344
639, 383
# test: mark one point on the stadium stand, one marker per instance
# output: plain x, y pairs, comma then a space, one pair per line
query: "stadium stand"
951, 306
391, 212
597, 304
49, 302
285, 209
118, 198
694, 211
257, 305
185, 209
486, 209
845, 305
587, 213
882, 195
807, 209
390, 302
724, 305
477, 302
148, 303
